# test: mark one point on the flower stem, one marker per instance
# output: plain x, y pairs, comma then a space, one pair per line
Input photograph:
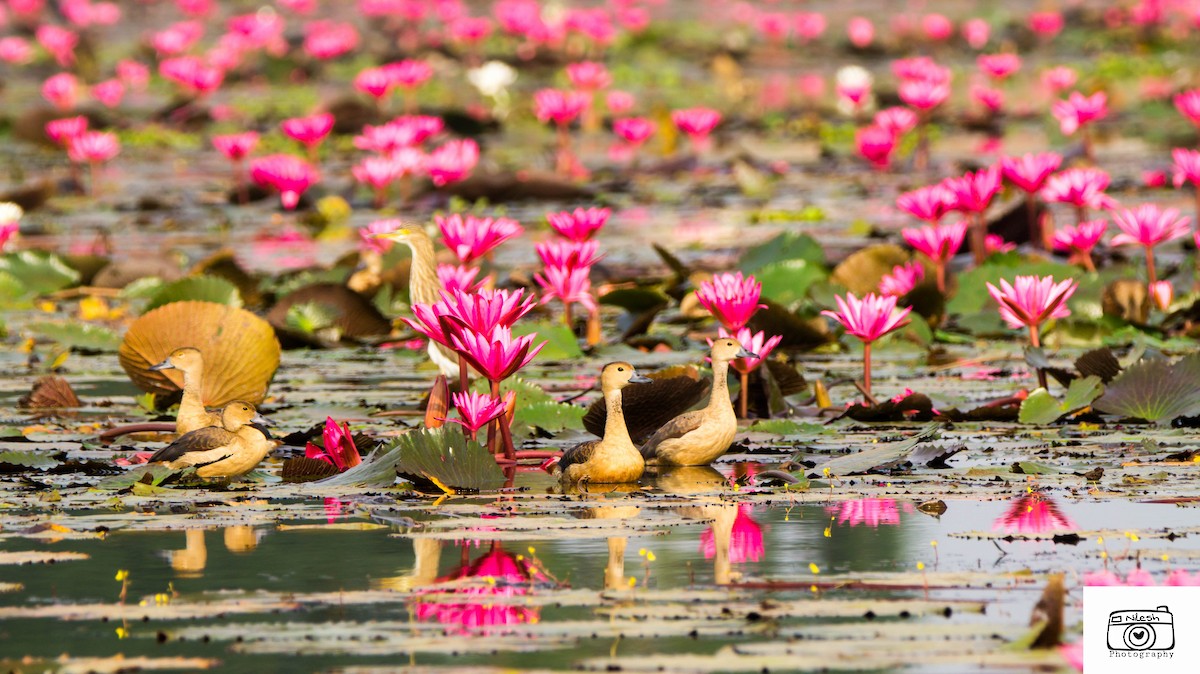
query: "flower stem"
940, 268
463, 376
1151, 276
979, 237
867, 372
1035, 341
744, 395
1036, 236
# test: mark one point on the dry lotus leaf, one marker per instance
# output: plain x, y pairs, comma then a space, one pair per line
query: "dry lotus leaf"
863, 269
304, 469
240, 350
354, 315
51, 392
223, 264
1126, 299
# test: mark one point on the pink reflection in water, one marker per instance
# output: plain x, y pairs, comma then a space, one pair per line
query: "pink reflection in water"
745, 541
1033, 513
285, 250
870, 512
483, 606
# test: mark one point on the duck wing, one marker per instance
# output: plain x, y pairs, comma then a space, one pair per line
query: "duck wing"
675, 428
196, 444
646, 407
580, 453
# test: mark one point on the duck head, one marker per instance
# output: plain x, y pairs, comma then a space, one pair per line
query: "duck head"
241, 413
726, 349
187, 359
618, 375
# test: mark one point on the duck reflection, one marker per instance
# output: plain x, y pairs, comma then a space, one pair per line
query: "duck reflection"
869, 512
428, 555
193, 558
500, 575
614, 569
733, 537
1033, 513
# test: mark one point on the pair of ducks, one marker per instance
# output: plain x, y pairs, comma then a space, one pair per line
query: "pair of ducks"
691, 439
222, 444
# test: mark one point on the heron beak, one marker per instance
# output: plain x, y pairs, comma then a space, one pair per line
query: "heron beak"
165, 365
743, 353
261, 420
640, 379
394, 235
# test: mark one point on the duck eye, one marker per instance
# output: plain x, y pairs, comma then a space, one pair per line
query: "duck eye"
620, 369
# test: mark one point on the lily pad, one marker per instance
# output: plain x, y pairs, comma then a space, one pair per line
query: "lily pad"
198, 288
435, 459
39, 272
786, 246
1155, 390
1041, 408
561, 342
79, 336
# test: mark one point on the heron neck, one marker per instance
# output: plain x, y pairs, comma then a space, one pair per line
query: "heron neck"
423, 284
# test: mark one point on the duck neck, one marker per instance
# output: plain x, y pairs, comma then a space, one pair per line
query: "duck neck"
615, 430
719, 400
193, 385
423, 285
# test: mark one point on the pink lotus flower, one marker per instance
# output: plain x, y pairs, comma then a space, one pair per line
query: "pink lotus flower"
1079, 240
619, 102
1187, 166
62, 90
745, 538
192, 74
339, 449
479, 312
61, 131
1188, 105
924, 95
288, 175
236, 146
1078, 110
937, 27
93, 147
731, 298
868, 319
990, 98
999, 66
1033, 513
409, 73
471, 237
901, 280
973, 192
378, 173
1029, 172
568, 254
310, 130
774, 26
1030, 301
1045, 24
1163, 293
633, 131
1080, 187
928, 203
325, 40
496, 355
589, 76
861, 32
109, 92
809, 25
756, 343
897, 120
452, 162
580, 224
177, 38
8, 232
374, 82
460, 278
59, 41
476, 410
939, 243
697, 123
976, 32
920, 69
15, 50
869, 512
1059, 79
470, 30
1148, 226
561, 107
401, 132
570, 285
875, 144
371, 237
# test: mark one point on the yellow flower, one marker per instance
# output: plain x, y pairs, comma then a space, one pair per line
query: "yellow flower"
122, 574
122, 633
920, 566
649, 556
814, 568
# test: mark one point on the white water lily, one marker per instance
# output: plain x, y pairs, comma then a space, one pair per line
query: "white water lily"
492, 78
10, 213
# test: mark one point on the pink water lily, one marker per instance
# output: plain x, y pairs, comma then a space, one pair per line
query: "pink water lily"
1029, 172
569, 285
475, 410
61, 131
288, 175
370, 236
868, 512
928, 203
731, 298
1079, 240
459, 311
1030, 301
579, 224
339, 449
453, 161
938, 243
998, 66
756, 343
461, 278
471, 237
868, 319
61, 90
875, 144
558, 106
898, 120
902, 279
1148, 226
1188, 105
1078, 110
309, 131
1162, 293
1187, 170
1083, 188
496, 355
568, 254
1059, 79
697, 123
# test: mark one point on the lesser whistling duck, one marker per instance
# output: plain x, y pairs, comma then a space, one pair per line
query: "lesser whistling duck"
698, 438
424, 286
613, 458
230, 450
192, 414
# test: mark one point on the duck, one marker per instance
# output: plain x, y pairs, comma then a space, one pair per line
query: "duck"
699, 437
613, 459
424, 287
192, 414
234, 448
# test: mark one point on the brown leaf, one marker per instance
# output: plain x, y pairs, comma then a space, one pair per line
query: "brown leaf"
304, 469
1049, 610
437, 407
864, 268
49, 392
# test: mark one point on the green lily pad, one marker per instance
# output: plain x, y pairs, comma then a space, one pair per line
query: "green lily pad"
788, 281
1155, 390
82, 336
430, 459
1041, 408
38, 271
199, 288
786, 246
561, 342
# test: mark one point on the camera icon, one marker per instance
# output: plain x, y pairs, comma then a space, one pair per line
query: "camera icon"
1141, 630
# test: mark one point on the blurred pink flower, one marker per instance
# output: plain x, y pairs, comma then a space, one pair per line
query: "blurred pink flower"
938, 243
861, 32
868, 318
561, 107
580, 224
588, 76
809, 25
731, 298
875, 144
898, 120
61, 90
902, 279
61, 131
470, 30
310, 130
1149, 225
1078, 110
1032, 300
924, 95
921, 69
1080, 187
236, 146
994, 244
93, 147
973, 192
452, 162
369, 239
1030, 171
927, 203
999, 66
745, 540
59, 41
378, 173
937, 27
990, 98
288, 175
976, 32
774, 26
177, 38
756, 343
471, 237
192, 74
567, 284
1059, 79
1163, 293
455, 277
633, 130
1079, 240
619, 102
109, 92
409, 73
569, 254
1188, 105
325, 40
1046, 24
1187, 166
15, 50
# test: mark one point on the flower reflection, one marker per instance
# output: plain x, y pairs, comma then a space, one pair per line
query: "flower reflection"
871, 512
483, 605
745, 539
1033, 513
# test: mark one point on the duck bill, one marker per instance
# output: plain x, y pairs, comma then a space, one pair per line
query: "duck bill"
260, 420
640, 379
165, 365
743, 353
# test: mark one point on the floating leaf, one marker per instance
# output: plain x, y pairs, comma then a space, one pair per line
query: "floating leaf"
78, 336
428, 458
197, 288
1155, 390
304, 469
240, 350
20, 459
322, 305
39, 272
786, 246
788, 281
885, 453
636, 300
150, 474
1100, 362
783, 427
561, 342
548, 416
863, 269
309, 317
1041, 408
